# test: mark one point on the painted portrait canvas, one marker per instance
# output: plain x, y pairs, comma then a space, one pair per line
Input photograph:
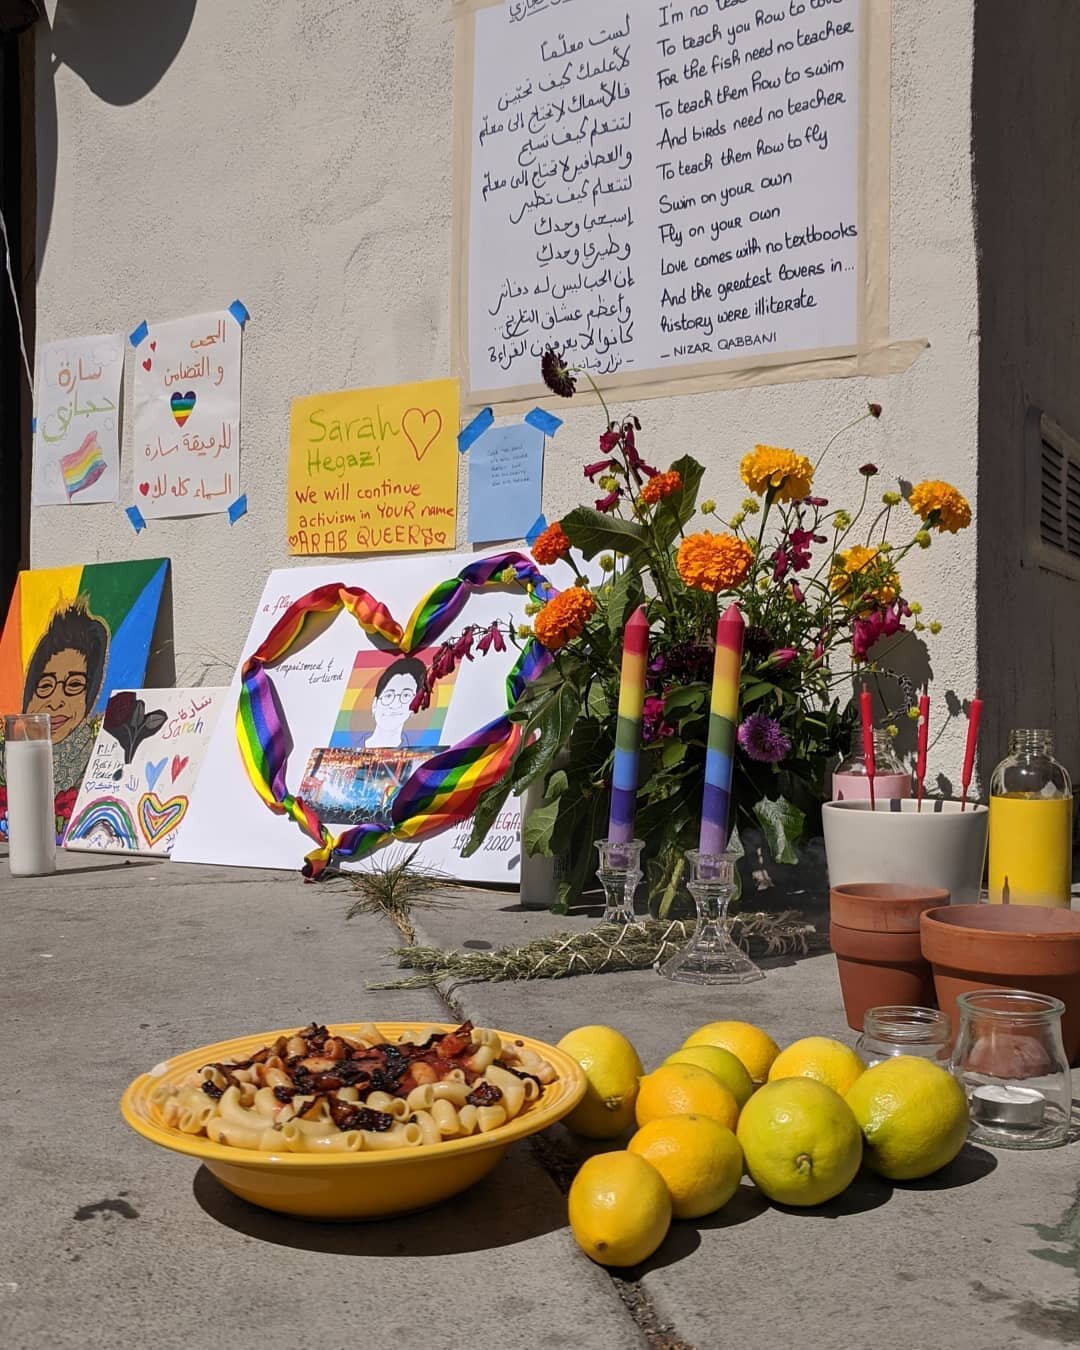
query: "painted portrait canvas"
72, 635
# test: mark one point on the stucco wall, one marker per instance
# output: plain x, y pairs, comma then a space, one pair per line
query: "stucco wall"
298, 156
1027, 176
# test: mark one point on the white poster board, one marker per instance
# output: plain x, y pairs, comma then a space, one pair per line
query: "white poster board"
142, 770
186, 454
663, 189
326, 687
77, 427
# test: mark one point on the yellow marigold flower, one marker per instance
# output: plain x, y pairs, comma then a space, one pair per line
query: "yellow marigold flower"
661, 485
708, 506
713, 562
564, 617
940, 505
551, 545
783, 473
871, 565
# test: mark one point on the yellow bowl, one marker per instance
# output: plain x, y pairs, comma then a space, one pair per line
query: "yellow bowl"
347, 1186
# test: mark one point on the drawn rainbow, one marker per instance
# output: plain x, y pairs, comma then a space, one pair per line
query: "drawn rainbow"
83, 467
109, 812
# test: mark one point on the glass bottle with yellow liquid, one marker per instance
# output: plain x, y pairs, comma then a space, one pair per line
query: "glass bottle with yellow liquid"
1030, 825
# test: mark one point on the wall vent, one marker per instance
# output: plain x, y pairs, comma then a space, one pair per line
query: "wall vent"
1055, 524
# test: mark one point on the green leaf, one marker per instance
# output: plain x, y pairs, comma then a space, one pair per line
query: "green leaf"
673, 753
624, 594
782, 824
753, 692
592, 532
554, 727
536, 828
688, 696
680, 506
596, 704
556, 785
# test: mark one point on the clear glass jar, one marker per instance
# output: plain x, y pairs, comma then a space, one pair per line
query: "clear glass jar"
850, 781
1011, 1063
1030, 825
899, 1030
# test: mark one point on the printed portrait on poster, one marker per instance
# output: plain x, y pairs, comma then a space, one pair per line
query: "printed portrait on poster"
379, 737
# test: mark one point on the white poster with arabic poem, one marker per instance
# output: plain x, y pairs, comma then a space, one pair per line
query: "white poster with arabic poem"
77, 431
187, 416
142, 770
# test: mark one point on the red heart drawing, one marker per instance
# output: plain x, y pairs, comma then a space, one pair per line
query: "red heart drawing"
147, 364
153, 346
178, 766
144, 488
421, 439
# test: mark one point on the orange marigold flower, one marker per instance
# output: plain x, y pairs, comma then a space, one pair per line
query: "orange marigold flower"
660, 486
550, 546
768, 468
564, 617
940, 505
713, 562
880, 581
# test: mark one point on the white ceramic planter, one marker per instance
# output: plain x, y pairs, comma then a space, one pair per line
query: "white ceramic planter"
940, 846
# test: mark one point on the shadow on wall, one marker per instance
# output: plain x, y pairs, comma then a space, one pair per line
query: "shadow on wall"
120, 48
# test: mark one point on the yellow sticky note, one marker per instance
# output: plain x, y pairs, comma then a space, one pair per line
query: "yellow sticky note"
374, 470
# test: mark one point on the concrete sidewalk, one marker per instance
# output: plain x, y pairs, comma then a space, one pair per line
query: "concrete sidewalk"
106, 1241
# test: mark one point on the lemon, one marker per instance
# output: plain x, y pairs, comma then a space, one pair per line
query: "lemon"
700, 1160
620, 1209
748, 1043
913, 1115
612, 1069
721, 1064
801, 1141
828, 1061
683, 1090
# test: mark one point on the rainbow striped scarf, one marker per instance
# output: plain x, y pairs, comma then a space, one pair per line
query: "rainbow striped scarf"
445, 789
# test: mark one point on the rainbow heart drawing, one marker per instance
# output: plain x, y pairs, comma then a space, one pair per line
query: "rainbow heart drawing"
157, 818
182, 406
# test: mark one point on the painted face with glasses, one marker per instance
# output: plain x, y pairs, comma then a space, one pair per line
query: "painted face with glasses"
64, 674
390, 708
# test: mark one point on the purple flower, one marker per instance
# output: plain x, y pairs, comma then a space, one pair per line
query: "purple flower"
763, 739
653, 726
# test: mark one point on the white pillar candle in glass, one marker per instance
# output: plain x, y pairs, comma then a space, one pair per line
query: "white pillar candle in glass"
28, 771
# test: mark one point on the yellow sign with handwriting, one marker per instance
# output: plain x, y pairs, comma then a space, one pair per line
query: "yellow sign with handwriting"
374, 470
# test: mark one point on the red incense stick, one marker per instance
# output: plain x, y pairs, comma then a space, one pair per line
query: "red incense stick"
866, 714
924, 735
974, 717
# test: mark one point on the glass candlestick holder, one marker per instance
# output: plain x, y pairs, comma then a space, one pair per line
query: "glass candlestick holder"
619, 873
711, 957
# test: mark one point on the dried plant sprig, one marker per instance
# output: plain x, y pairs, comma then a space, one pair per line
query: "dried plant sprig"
395, 885
601, 950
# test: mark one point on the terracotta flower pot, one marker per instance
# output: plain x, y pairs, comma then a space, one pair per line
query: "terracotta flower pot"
1006, 947
875, 935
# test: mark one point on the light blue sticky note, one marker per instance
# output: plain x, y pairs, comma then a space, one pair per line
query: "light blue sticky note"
506, 476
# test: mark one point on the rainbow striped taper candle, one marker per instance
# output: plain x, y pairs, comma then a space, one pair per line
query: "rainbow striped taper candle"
723, 717
628, 728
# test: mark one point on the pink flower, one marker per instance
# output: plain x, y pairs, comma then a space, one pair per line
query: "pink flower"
782, 658
422, 698
601, 466
797, 593
492, 638
609, 439
653, 726
464, 645
443, 662
609, 502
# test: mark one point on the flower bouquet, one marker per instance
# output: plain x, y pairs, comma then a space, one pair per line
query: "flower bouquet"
821, 593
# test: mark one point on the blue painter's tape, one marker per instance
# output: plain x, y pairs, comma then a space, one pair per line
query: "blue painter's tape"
535, 530
475, 429
140, 334
33, 424
543, 421
239, 312
238, 508
136, 517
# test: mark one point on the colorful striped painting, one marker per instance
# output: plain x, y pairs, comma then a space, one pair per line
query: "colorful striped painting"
83, 467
